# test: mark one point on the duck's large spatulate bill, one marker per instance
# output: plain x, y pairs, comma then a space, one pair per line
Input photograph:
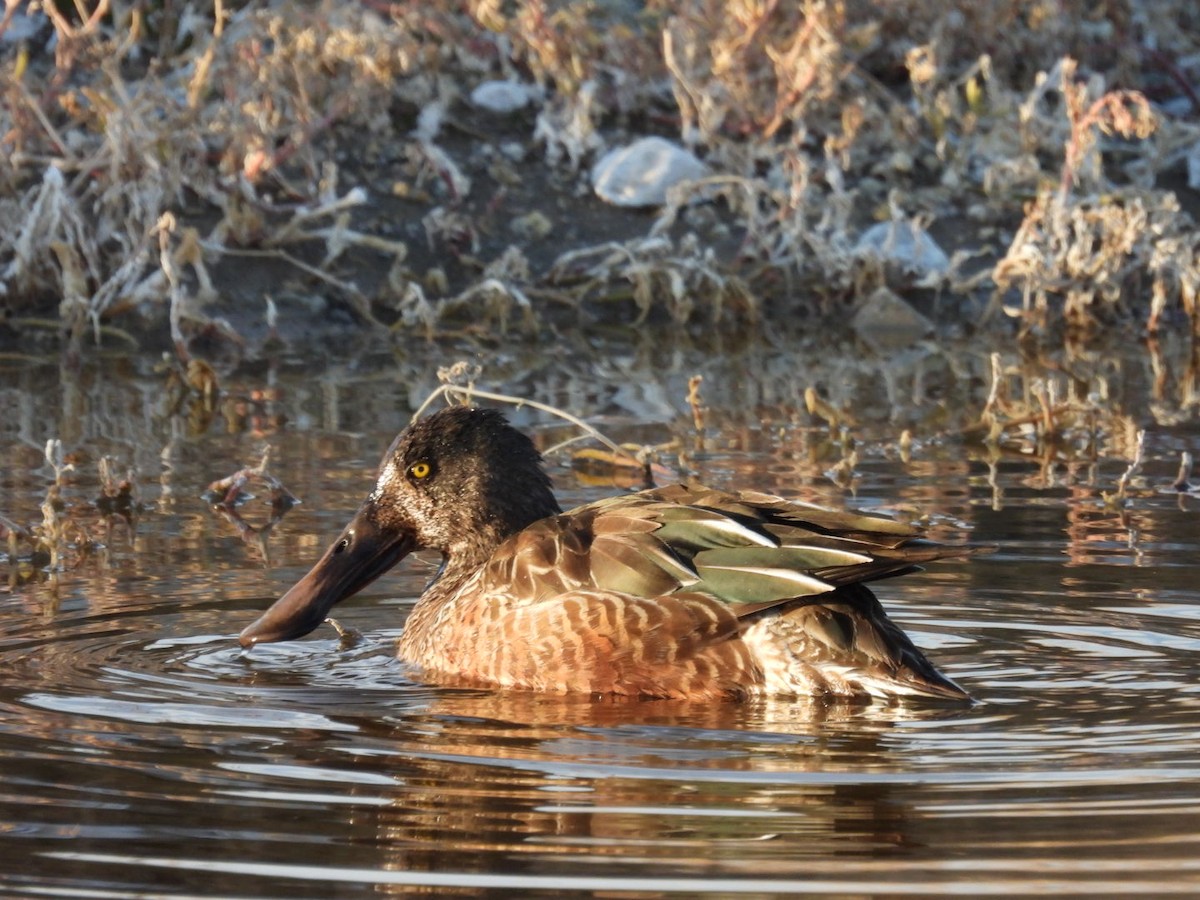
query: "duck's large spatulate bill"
362, 553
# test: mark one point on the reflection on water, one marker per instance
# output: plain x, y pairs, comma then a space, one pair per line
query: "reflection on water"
142, 751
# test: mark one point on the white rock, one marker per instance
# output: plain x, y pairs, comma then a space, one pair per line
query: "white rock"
502, 96
903, 244
640, 174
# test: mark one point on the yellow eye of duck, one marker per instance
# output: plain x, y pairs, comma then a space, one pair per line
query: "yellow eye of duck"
420, 470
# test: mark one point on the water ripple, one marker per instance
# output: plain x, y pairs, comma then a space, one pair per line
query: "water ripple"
143, 752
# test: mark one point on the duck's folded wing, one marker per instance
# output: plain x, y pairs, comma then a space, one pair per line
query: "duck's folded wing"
748, 550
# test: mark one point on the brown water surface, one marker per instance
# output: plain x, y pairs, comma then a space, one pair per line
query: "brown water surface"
143, 753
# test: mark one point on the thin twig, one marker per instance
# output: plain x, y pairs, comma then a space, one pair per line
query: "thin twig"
1182, 480
468, 393
346, 287
1134, 466
60, 142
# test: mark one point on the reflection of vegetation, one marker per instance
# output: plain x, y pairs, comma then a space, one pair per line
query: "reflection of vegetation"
63, 539
818, 419
227, 495
193, 388
995, 121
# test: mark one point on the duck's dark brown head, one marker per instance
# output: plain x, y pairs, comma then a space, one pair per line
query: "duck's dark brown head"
459, 481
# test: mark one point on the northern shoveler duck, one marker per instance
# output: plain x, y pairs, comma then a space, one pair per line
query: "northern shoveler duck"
676, 592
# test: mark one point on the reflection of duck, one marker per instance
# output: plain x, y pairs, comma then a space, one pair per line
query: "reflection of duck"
681, 591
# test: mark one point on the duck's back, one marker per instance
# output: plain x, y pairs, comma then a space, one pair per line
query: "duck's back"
685, 591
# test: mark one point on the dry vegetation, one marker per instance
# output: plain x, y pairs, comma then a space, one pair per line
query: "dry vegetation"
153, 153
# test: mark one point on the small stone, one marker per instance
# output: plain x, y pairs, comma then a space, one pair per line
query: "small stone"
902, 161
532, 226
502, 96
640, 174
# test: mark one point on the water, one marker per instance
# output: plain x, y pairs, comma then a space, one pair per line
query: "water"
142, 753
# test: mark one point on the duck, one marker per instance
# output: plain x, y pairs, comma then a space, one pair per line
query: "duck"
680, 592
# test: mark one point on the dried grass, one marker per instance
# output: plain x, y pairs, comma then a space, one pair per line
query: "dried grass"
817, 118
